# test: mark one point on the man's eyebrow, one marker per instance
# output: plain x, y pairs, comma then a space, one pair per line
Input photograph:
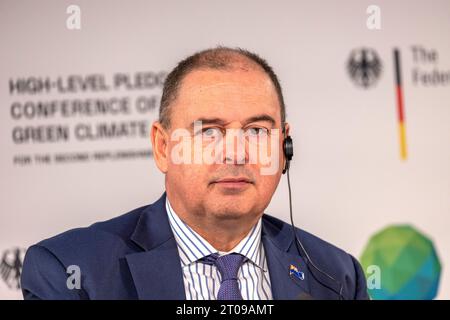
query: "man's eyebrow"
260, 117
204, 121
219, 121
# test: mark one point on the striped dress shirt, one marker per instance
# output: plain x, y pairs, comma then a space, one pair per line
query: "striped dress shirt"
202, 281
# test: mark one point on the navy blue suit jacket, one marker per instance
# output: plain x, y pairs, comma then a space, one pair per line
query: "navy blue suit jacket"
135, 256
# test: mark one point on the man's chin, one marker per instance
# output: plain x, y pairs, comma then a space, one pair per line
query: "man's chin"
231, 204
231, 210
230, 215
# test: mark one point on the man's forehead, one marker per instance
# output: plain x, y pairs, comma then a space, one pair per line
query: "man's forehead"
227, 113
231, 96
210, 81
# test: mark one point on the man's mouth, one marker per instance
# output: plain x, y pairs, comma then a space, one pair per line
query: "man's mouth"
233, 182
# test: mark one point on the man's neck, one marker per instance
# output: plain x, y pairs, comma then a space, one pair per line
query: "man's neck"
223, 234
222, 239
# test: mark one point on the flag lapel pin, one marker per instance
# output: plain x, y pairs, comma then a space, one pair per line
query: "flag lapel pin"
293, 271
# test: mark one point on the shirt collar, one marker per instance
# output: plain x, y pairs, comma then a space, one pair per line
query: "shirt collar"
194, 247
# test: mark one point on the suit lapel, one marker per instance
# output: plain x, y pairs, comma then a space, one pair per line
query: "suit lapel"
285, 285
156, 271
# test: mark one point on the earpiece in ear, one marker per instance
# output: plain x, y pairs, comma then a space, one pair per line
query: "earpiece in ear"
288, 149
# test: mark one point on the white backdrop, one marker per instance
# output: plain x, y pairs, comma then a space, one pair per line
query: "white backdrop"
347, 175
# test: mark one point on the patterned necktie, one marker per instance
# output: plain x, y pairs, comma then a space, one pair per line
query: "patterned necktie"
228, 266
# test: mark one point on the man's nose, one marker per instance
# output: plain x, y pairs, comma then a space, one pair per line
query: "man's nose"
235, 147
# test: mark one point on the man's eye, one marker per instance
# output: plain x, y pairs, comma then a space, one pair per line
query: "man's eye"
211, 132
257, 131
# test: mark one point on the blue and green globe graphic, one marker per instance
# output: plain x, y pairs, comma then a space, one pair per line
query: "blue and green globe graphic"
408, 265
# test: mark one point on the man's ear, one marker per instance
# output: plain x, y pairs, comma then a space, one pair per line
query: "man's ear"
286, 129
160, 144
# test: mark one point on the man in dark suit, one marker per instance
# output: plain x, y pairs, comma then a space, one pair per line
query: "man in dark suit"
221, 141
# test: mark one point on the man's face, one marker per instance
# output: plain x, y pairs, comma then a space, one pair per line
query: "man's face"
231, 187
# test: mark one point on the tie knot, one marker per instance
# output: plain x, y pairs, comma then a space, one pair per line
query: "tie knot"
228, 265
